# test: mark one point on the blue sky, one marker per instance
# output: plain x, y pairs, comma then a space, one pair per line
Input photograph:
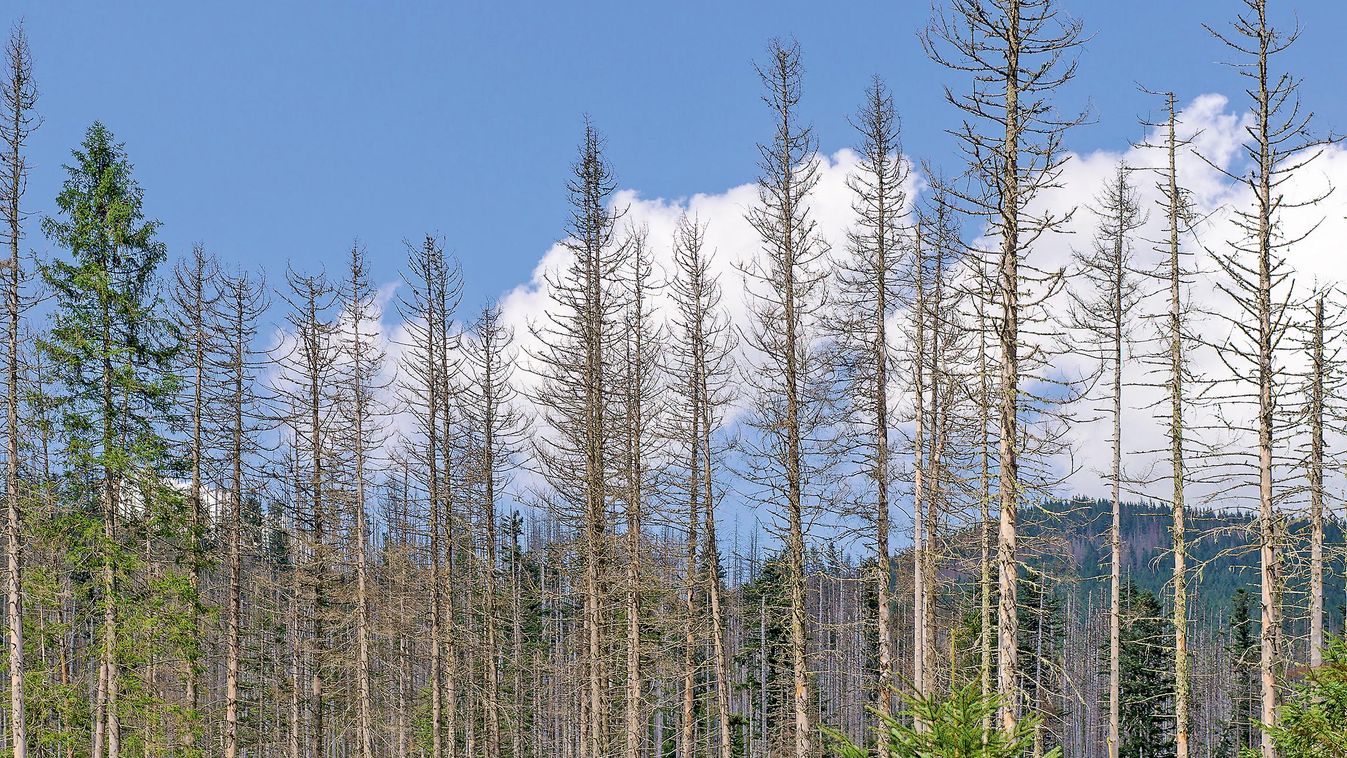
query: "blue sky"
275, 131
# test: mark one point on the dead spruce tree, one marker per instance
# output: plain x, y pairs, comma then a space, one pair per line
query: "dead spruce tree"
691, 592
238, 420
578, 342
641, 386
868, 299
433, 287
983, 398
1171, 278
946, 353
701, 355
1018, 53
363, 412
17, 123
308, 371
1318, 382
1322, 389
194, 294
497, 426
1256, 279
790, 377
1103, 305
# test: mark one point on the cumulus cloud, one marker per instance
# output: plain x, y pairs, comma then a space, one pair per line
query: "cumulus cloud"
1215, 131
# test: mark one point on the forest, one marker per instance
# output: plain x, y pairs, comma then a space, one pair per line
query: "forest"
852, 515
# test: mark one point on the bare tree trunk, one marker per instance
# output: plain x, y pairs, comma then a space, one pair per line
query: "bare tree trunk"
1016, 149
1115, 549
711, 556
242, 299
704, 358
305, 385
451, 647
1270, 628
784, 62
686, 723
984, 515
427, 309
784, 311
1174, 209
573, 349
637, 387
496, 427
19, 97
919, 485
293, 627
1008, 333
365, 361
1280, 144
194, 296
316, 484
490, 653
1316, 472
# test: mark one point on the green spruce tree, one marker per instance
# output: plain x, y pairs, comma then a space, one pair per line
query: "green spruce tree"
1146, 708
1242, 649
110, 351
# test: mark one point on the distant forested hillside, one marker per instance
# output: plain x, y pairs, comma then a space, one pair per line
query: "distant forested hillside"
1219, 551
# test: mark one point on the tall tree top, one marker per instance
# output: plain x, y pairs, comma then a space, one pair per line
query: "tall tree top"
100, 202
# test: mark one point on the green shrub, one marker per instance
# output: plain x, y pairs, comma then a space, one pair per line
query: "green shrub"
953, 729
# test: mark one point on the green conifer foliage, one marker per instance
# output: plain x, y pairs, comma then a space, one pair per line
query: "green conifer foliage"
110, 349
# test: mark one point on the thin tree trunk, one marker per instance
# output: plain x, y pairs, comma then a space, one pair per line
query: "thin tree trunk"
1270, 616
1181, 659
233, 608
919, 503
635, 430
884, 614
316, 483
1317, 369
19, 98
1008, 620
985, 537
686, 723
364, 727
489, 473
1115, 528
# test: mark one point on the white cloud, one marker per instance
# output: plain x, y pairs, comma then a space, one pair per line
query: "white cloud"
1216, 131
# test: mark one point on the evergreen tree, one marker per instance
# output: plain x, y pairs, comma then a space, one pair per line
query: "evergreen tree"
1314, 719
110, 349
764, 654
1242, 650
1146, 680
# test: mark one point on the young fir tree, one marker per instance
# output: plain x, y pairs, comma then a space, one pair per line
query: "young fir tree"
110, 351
1146, 667
1242, 649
